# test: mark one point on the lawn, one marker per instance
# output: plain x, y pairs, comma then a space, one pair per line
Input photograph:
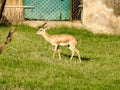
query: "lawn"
27, 63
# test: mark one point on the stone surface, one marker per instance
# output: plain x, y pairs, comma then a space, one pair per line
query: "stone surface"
99, 18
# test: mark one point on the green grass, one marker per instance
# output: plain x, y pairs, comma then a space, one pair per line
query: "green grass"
27, 63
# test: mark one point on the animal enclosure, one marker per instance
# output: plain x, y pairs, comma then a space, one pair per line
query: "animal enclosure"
53, 10
19, 10
60, 10
48, 9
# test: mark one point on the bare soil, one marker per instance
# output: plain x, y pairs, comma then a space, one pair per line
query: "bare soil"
51, 24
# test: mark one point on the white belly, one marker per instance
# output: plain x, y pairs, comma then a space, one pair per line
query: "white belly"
61, 44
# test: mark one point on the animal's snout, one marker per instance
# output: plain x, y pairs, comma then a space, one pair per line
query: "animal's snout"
37, 32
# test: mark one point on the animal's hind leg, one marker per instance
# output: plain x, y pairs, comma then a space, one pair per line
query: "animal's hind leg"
73, 52
78, 53
74, 49
72, 55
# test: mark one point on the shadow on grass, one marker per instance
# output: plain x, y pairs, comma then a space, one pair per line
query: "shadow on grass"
76, 57
86, 58
4, 25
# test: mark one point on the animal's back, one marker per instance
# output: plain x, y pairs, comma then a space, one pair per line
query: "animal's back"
63, 39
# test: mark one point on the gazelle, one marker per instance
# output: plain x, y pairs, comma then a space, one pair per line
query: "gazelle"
60, 40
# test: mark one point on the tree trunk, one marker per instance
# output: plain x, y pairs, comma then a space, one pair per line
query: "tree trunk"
2, 4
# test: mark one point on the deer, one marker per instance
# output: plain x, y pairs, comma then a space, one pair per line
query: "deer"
60, 40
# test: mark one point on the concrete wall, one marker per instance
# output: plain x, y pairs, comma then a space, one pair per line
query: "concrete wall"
100, 17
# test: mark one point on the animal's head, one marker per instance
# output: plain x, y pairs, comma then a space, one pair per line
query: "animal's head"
41, 31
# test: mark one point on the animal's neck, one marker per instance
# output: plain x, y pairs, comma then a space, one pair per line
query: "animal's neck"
46, 36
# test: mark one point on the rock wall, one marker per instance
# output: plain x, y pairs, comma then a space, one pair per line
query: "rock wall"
99, 16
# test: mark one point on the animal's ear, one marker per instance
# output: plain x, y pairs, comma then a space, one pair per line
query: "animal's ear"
45, 28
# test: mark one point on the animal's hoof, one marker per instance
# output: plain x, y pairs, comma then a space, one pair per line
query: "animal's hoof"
80, 61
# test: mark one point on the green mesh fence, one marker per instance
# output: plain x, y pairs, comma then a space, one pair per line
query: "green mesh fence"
47, 9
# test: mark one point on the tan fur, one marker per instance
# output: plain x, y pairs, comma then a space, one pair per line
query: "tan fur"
60, 40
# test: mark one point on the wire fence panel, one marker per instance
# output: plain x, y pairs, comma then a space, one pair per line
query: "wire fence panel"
47, 9
75, 9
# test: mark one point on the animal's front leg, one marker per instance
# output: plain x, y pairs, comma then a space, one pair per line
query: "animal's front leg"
59, 54
54, 51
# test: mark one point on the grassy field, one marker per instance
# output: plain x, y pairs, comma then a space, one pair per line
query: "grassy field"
27, 63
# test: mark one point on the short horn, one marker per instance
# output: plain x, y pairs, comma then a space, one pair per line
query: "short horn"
42, 26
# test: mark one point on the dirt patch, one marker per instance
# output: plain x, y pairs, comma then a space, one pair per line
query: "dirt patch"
51, 24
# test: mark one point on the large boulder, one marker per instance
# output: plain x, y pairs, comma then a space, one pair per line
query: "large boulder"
100, 16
